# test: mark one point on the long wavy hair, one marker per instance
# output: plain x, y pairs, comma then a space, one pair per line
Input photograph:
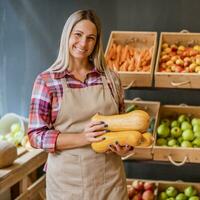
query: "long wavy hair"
97, 56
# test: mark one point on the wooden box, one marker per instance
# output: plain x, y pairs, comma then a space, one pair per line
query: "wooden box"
161, 185
184, 77
140, 41
176, 155
151, 107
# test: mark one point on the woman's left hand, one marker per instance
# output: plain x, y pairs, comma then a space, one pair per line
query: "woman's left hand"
120, 150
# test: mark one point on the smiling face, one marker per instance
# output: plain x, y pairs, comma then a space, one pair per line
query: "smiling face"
82, 40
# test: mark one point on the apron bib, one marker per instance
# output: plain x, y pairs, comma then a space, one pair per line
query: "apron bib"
80, 173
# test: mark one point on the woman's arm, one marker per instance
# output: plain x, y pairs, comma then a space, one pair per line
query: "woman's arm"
89, 135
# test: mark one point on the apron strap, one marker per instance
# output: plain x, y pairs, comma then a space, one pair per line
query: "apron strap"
64, 82
106, 86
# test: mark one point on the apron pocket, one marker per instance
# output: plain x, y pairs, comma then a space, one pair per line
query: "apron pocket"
64, 172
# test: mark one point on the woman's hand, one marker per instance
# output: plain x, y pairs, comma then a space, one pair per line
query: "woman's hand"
93, 130
120, 150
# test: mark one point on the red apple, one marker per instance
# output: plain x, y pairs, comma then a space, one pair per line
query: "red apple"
138, 185
148, 195
131, 191
138, 196
149, 186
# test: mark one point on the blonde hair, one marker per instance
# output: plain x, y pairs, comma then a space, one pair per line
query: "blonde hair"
97, 56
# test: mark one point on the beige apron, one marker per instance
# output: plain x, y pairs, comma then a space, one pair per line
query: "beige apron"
80, 173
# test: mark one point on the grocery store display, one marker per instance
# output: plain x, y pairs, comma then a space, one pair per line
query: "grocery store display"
132, 55
177, 134
8, 153
178, 60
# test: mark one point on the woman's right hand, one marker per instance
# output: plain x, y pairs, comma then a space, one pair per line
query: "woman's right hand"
94, 132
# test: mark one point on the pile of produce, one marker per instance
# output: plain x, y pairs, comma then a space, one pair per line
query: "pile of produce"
129, 128
141, 190
180, 131
126, 57
180, 58
172, 193
15, 136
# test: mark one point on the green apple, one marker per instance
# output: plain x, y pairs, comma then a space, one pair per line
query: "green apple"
197, 134
196, 127
190, 191
171, 191
194, 198
176, 132
163, 130
195, 121
182, 118
18, 136
185, 125
161, 142
172, 142
15, 127
186, 144
165, 121
181, 196
170, 198
2, 137
188, 135
180, 139
196, 142
162, 196
174, 123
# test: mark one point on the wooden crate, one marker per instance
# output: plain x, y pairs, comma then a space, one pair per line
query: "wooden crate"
176, 79
21, 177
176, 155
138, 40
151, 107
161, 185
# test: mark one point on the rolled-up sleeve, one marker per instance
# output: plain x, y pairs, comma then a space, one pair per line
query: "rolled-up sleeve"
40, 132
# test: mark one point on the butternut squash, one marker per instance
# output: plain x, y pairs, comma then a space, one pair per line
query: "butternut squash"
132, 138
8, 153
146, 140
137, 120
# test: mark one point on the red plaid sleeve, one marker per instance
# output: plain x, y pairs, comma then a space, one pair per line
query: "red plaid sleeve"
40, 132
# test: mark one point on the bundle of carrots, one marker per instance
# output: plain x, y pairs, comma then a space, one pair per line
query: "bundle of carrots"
127, 58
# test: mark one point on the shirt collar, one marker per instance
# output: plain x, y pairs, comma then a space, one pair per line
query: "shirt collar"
59, 75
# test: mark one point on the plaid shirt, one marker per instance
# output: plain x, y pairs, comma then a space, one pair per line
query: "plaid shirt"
46, 102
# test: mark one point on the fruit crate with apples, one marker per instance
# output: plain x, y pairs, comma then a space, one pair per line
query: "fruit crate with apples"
178, 60
132, 54
140, 189
152, 108
143, 189
186, 145
178, 190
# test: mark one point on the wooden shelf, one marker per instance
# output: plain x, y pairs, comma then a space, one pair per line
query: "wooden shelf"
21, 173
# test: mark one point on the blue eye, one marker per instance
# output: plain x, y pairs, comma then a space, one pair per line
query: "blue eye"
78, 34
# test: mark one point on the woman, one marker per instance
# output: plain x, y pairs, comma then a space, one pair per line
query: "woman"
64, 98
